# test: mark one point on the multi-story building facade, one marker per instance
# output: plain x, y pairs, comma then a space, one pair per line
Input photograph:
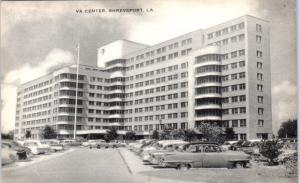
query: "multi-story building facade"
220, 75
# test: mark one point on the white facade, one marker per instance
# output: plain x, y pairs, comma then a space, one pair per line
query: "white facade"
219, 75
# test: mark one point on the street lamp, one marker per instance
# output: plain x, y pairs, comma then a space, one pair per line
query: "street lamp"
160, 125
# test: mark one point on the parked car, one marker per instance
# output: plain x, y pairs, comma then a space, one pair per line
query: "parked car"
54, 144
205, 155
37, 147
166, 146
8, 154
96, 143
227, 145
21, 151
70, 142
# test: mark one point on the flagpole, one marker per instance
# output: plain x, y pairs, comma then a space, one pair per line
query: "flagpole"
76, 93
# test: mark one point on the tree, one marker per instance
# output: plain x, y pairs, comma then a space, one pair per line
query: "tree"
49, 133
189, 135
212, 132
270, 150
130, 135
288, 129
177, 134
155, 135
165, 134
111, 134
229, 134
28, 134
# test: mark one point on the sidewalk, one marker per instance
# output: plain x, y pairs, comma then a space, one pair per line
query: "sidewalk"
135, 166
35, 159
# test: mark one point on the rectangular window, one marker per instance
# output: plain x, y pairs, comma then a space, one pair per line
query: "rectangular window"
243, 123
242, 110
210, 36
224, 67
259, 65
258, 39
234, 99
260, 99
234, 87
233, 39
260, 87
242, 98
242, 75
225, 42
259, 76
260, 111
233, 54
259, 54
258, 28
233, 76
241, 37
242, 64
225, 31
235, 123
241, 52
260, 123
234, 110
233, 65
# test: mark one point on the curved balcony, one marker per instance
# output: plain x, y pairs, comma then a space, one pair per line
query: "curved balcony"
115, 116
116, 91
208, 95
117, 99
116, 83
207, 118
64, 132
115, 108
208, 73
117, 74
212, 62
208, 106
115, 65
208, 84
115, 124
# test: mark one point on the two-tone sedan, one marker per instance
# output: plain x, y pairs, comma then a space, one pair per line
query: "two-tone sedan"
204, 155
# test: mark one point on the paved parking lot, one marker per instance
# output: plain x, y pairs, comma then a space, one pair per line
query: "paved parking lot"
79, 165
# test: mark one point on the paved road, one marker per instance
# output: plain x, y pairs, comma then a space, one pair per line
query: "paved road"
79, 166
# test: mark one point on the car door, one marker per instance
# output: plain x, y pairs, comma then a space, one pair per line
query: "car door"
213, 157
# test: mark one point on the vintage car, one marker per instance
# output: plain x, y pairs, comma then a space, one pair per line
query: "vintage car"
8, 154
54, 144
204, 155
96, 143
166, 146
227, 145
37, 147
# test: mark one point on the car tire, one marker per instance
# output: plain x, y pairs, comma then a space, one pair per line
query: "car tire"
183, 167
239, 165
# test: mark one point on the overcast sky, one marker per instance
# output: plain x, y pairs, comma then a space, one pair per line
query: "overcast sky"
38, 37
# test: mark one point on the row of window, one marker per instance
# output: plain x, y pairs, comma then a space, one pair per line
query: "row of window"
37, 114
237, 110
39, 85
37, 93
226, 30
234, 39
37, 107
159, 59
160, 50
235, 123
39, 99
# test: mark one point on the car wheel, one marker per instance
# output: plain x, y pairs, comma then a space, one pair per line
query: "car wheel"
239, 165
183, 167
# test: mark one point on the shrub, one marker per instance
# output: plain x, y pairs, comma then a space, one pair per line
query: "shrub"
270, 150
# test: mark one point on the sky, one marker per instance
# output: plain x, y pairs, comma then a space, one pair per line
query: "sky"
39, 37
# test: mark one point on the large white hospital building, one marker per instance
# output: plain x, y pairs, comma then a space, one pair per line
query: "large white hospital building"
220, 74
